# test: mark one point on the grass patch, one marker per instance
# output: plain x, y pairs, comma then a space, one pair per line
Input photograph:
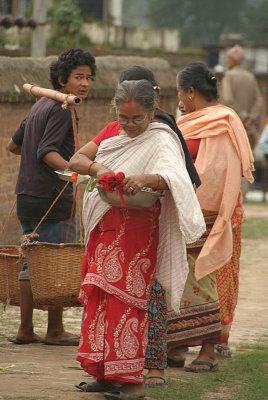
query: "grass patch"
242, 378
255, 228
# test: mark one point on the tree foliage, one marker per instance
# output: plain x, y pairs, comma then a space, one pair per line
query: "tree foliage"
65, 21
203, 21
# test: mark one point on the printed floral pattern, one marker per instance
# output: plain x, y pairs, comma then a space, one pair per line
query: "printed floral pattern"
156, 352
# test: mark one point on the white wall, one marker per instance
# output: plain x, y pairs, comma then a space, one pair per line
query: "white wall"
133, 37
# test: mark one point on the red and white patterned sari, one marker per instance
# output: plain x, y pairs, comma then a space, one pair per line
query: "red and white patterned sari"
118, 271
127, 248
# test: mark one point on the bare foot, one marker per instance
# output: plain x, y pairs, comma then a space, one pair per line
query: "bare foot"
62, 337
139, 389
26, 334
25, 339
206, 360
155, 377
176, 357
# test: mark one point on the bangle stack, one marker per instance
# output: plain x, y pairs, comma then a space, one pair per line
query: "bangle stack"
89, 167
159, 177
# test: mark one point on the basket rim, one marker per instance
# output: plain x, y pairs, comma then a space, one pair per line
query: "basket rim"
8, 246
5, 255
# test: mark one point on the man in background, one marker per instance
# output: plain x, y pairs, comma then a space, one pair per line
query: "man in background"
240, 91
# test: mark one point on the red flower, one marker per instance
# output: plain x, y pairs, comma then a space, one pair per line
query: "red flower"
111, 182
114, 182
74, 176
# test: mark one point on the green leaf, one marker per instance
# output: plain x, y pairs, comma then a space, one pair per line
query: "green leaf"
91, 185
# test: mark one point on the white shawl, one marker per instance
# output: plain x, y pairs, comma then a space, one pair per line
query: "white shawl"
155, 151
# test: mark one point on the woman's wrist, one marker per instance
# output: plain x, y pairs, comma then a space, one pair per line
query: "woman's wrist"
90, 169
159, 182
155, 182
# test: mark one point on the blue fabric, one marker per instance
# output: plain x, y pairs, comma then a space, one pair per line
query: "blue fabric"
263, 143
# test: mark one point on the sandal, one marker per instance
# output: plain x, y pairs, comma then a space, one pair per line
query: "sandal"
212, 367
223, 350
36, 339
146, 378
68, 341
97, 386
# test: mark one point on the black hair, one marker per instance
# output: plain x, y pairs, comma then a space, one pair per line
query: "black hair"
68, 61
140, 92
139, 72
199, 77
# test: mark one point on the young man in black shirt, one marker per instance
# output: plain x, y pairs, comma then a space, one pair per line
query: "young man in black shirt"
45, 141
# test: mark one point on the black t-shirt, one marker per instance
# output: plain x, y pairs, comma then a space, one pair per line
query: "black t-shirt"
47, 128
31, 208
19, 134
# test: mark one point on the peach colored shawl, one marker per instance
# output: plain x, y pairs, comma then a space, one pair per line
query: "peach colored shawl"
224, 156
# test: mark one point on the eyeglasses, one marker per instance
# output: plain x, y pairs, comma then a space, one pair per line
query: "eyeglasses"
135, 121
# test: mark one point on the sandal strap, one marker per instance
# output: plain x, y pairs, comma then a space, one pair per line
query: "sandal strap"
155, 377
197, 362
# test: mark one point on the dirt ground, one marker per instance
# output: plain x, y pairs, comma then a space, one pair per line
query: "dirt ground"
43, 372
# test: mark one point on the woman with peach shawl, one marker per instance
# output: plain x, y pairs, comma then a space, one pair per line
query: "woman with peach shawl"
219, 146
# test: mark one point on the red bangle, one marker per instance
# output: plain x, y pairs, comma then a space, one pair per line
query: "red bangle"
159, 181
89, 167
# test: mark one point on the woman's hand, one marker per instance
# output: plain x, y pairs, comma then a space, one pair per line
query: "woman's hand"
133, 184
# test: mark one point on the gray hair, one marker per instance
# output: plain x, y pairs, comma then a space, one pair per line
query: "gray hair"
141, 92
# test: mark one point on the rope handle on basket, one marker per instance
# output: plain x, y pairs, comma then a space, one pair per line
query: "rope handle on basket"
66, 104
33, 234
76, 195
79, 213
8, 286
76, 142
9, 215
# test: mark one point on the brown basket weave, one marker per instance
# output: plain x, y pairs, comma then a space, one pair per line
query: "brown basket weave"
55, 272
11, 261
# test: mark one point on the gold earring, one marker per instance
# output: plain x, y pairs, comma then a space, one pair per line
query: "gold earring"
190, 98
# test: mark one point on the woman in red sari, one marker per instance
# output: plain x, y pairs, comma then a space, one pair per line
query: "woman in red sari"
125, 246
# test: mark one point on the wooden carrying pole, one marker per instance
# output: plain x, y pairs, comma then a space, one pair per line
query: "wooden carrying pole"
38, 91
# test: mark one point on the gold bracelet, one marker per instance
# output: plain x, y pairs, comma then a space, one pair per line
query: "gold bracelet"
158, 182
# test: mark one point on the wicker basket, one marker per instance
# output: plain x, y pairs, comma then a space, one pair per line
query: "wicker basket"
11, 261
55, 272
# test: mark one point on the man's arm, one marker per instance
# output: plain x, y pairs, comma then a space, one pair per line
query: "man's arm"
13, 147
15, 143
55, 161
